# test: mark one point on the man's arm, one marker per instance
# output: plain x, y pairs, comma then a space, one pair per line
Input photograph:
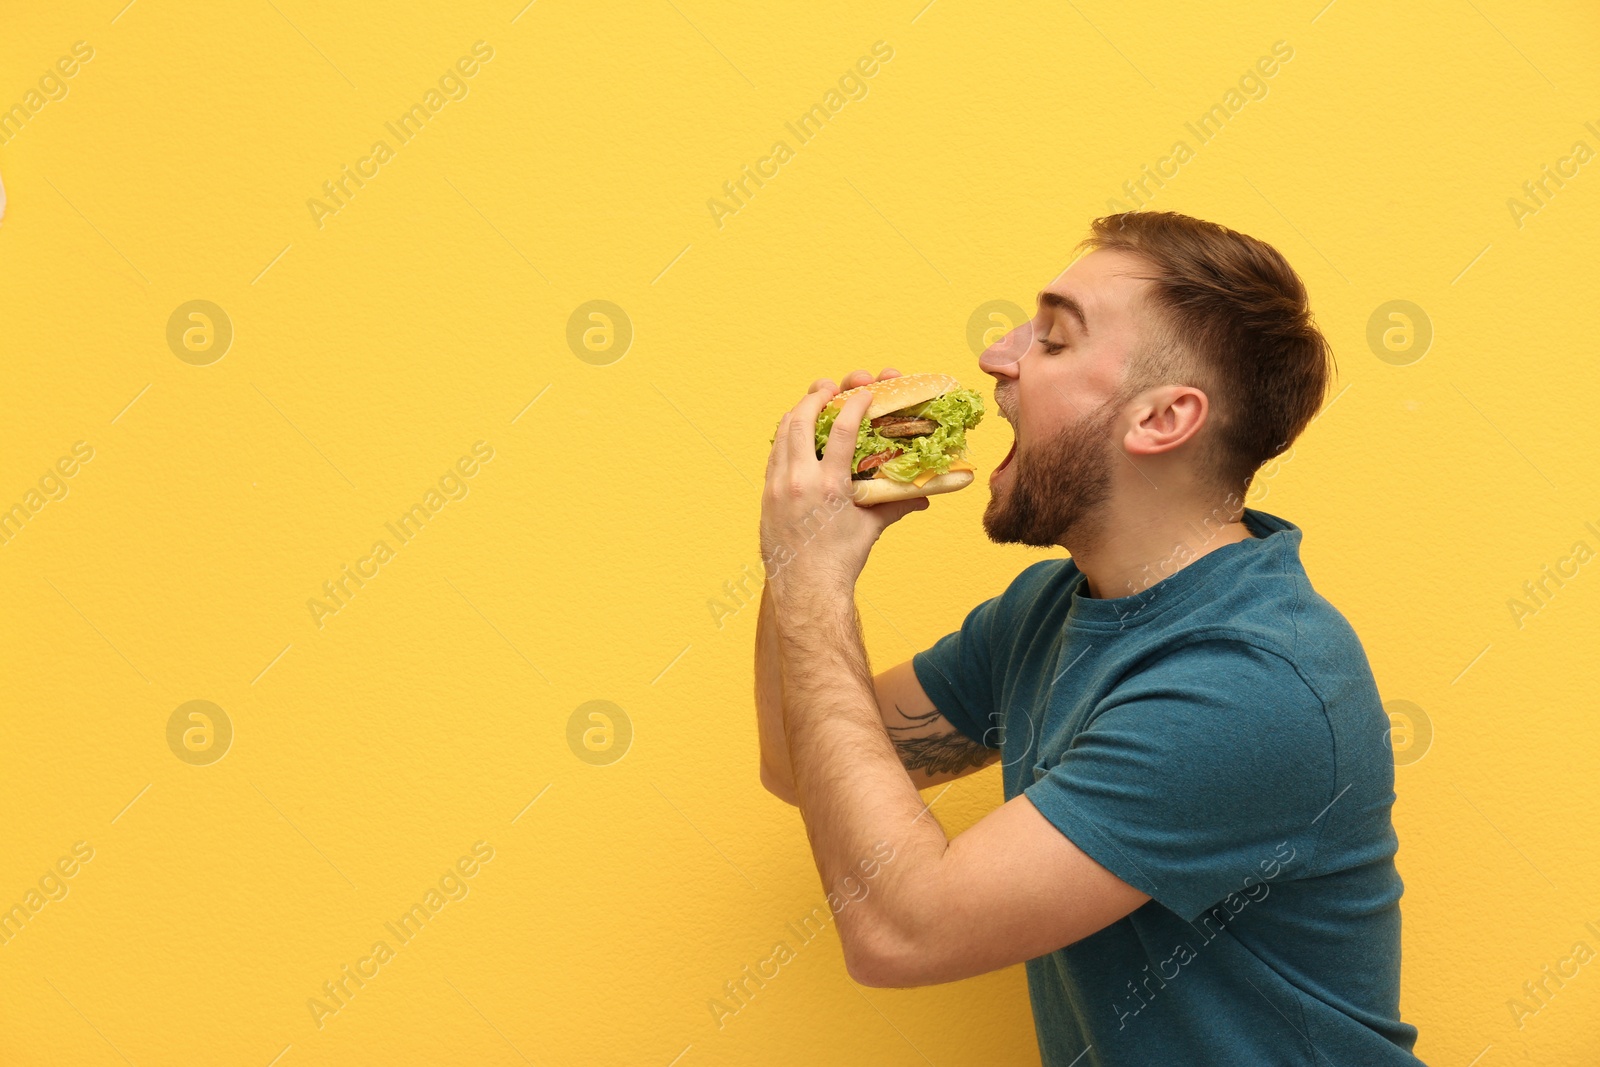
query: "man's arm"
930, 748
776, 774
1009, 889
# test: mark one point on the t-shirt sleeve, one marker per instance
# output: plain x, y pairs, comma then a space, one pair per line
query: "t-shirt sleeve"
1206, 773
958, 675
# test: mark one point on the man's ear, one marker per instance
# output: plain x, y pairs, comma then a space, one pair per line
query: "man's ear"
1164, 418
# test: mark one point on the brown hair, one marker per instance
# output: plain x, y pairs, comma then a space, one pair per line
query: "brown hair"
1231, 318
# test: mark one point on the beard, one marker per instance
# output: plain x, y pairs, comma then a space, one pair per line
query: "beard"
1056, 495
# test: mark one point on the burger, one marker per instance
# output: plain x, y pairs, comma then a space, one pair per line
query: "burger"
912, 441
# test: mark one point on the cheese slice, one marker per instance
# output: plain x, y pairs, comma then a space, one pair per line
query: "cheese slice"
926, 476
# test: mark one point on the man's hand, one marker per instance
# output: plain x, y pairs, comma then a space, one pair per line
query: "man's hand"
813, 538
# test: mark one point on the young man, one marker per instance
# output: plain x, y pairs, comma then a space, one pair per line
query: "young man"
1195, 856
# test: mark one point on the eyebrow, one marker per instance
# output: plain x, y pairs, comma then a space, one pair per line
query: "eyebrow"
1067, 304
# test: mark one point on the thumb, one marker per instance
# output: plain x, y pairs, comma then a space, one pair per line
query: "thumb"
893, 511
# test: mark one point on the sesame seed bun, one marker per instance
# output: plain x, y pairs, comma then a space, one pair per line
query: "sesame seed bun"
892, 394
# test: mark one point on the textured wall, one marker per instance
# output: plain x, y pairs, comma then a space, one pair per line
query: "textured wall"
426, 730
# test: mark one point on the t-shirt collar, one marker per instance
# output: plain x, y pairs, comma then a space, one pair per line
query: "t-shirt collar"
1119, 613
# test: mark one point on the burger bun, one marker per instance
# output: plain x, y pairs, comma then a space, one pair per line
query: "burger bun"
892, 394
870, 491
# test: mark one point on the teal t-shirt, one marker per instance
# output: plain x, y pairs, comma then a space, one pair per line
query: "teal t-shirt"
1218, 742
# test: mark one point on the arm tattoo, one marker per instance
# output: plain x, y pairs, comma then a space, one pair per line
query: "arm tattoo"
952, 752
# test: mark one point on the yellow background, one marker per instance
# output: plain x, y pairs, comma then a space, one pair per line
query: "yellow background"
431, 310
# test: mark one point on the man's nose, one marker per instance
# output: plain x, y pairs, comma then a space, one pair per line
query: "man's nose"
1003, 358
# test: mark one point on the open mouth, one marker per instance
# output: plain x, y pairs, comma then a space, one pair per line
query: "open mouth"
1007, 461
1010, 418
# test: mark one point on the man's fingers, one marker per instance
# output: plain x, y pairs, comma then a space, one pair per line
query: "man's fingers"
778, 458
802, 429
856, 378
842, 438
893, 511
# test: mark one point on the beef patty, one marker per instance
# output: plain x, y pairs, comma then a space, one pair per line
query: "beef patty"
903, 426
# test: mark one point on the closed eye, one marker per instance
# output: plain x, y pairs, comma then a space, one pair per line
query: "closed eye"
1050, 346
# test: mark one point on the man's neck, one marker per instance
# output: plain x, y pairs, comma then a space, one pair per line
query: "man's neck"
1126, 556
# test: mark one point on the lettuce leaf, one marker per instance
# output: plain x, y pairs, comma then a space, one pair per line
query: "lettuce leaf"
956, 412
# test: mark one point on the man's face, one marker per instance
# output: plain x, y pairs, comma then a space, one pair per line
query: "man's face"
1057, 382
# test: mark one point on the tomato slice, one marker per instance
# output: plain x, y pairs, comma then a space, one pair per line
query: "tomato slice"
878, 459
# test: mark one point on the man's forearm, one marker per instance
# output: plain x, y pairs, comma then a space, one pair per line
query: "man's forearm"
769, 700
852, 789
